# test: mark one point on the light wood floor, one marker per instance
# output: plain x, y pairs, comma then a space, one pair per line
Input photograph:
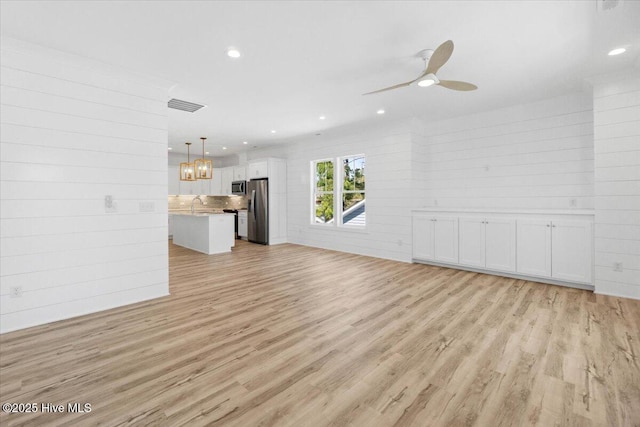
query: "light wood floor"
295, 336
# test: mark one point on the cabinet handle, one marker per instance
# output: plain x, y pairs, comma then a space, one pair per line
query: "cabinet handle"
548, 225
554, 226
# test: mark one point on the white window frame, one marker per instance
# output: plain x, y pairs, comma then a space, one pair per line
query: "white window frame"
312, 174
338, 183
339, 212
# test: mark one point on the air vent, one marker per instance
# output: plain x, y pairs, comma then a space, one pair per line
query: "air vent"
179, 104
607, 5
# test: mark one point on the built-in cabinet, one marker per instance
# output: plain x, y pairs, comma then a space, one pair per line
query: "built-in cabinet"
488, 242
553, 247
276, 171
239, 173
559, 249
435, 238
258, 169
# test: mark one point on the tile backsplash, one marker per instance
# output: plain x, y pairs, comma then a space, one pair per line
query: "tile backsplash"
211, 202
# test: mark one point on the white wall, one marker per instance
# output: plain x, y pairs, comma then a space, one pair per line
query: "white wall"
388, 192
537, 155
73, 131
617, 183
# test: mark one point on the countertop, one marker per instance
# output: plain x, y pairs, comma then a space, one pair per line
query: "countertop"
199, 212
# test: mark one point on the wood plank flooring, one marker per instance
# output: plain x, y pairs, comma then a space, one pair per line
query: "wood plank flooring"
295, 336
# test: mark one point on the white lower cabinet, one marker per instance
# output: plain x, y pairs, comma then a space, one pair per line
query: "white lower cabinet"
435, 238
243, 230
488, 243
534, 247
557, 248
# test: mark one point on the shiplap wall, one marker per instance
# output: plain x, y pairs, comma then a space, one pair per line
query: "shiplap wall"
617, 184
388, 192
529, 156
73, 131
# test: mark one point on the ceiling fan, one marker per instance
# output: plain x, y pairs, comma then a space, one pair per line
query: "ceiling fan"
434, 60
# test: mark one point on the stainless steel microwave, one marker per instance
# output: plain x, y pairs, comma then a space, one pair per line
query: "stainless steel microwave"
239, 188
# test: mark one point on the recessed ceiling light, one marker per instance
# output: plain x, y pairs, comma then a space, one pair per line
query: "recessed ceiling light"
617, 51
206, 152
380, 111
232, 52
322, 117
224, 148
245, 142
170, 148
273, 131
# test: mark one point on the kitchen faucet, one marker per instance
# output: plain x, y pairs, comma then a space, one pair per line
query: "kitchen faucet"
193, 201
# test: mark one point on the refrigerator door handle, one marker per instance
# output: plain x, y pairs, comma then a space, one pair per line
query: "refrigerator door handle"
252, 202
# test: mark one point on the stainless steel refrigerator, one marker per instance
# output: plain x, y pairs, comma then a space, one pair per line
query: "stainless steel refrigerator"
258, 211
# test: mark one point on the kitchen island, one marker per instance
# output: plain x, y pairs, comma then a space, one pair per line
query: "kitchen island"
209, 233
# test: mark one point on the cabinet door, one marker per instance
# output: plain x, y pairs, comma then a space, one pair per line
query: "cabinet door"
242, 225
534, 247
239, 173
445, 234
226, 176
423, 237
258, 169
571, 251
471, 242
500, 244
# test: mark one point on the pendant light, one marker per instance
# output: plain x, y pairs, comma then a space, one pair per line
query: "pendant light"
204, 167
187, 169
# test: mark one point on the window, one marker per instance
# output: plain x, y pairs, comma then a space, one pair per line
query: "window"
353, 200
339, 203
323, 192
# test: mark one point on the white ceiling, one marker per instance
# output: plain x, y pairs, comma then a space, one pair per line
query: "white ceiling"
306, 59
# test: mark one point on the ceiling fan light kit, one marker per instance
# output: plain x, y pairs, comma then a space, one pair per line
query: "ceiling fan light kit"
429, 80
434, 60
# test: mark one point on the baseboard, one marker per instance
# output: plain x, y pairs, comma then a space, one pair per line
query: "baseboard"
582, 286
277, 241
47, 315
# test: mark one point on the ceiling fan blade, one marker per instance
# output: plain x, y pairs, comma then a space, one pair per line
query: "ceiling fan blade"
440, 56
390, 88
455, 85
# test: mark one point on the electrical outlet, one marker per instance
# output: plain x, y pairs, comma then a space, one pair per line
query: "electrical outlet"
15, 291
573, 203
399, 242
617, 266
109, 204
147, 207
435, 202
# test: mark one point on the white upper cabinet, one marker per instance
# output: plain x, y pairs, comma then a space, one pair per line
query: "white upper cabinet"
258, 169
214, 184
226, 177
239, 173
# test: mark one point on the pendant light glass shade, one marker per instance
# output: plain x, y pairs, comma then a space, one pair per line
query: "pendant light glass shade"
187, 169
204, 167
